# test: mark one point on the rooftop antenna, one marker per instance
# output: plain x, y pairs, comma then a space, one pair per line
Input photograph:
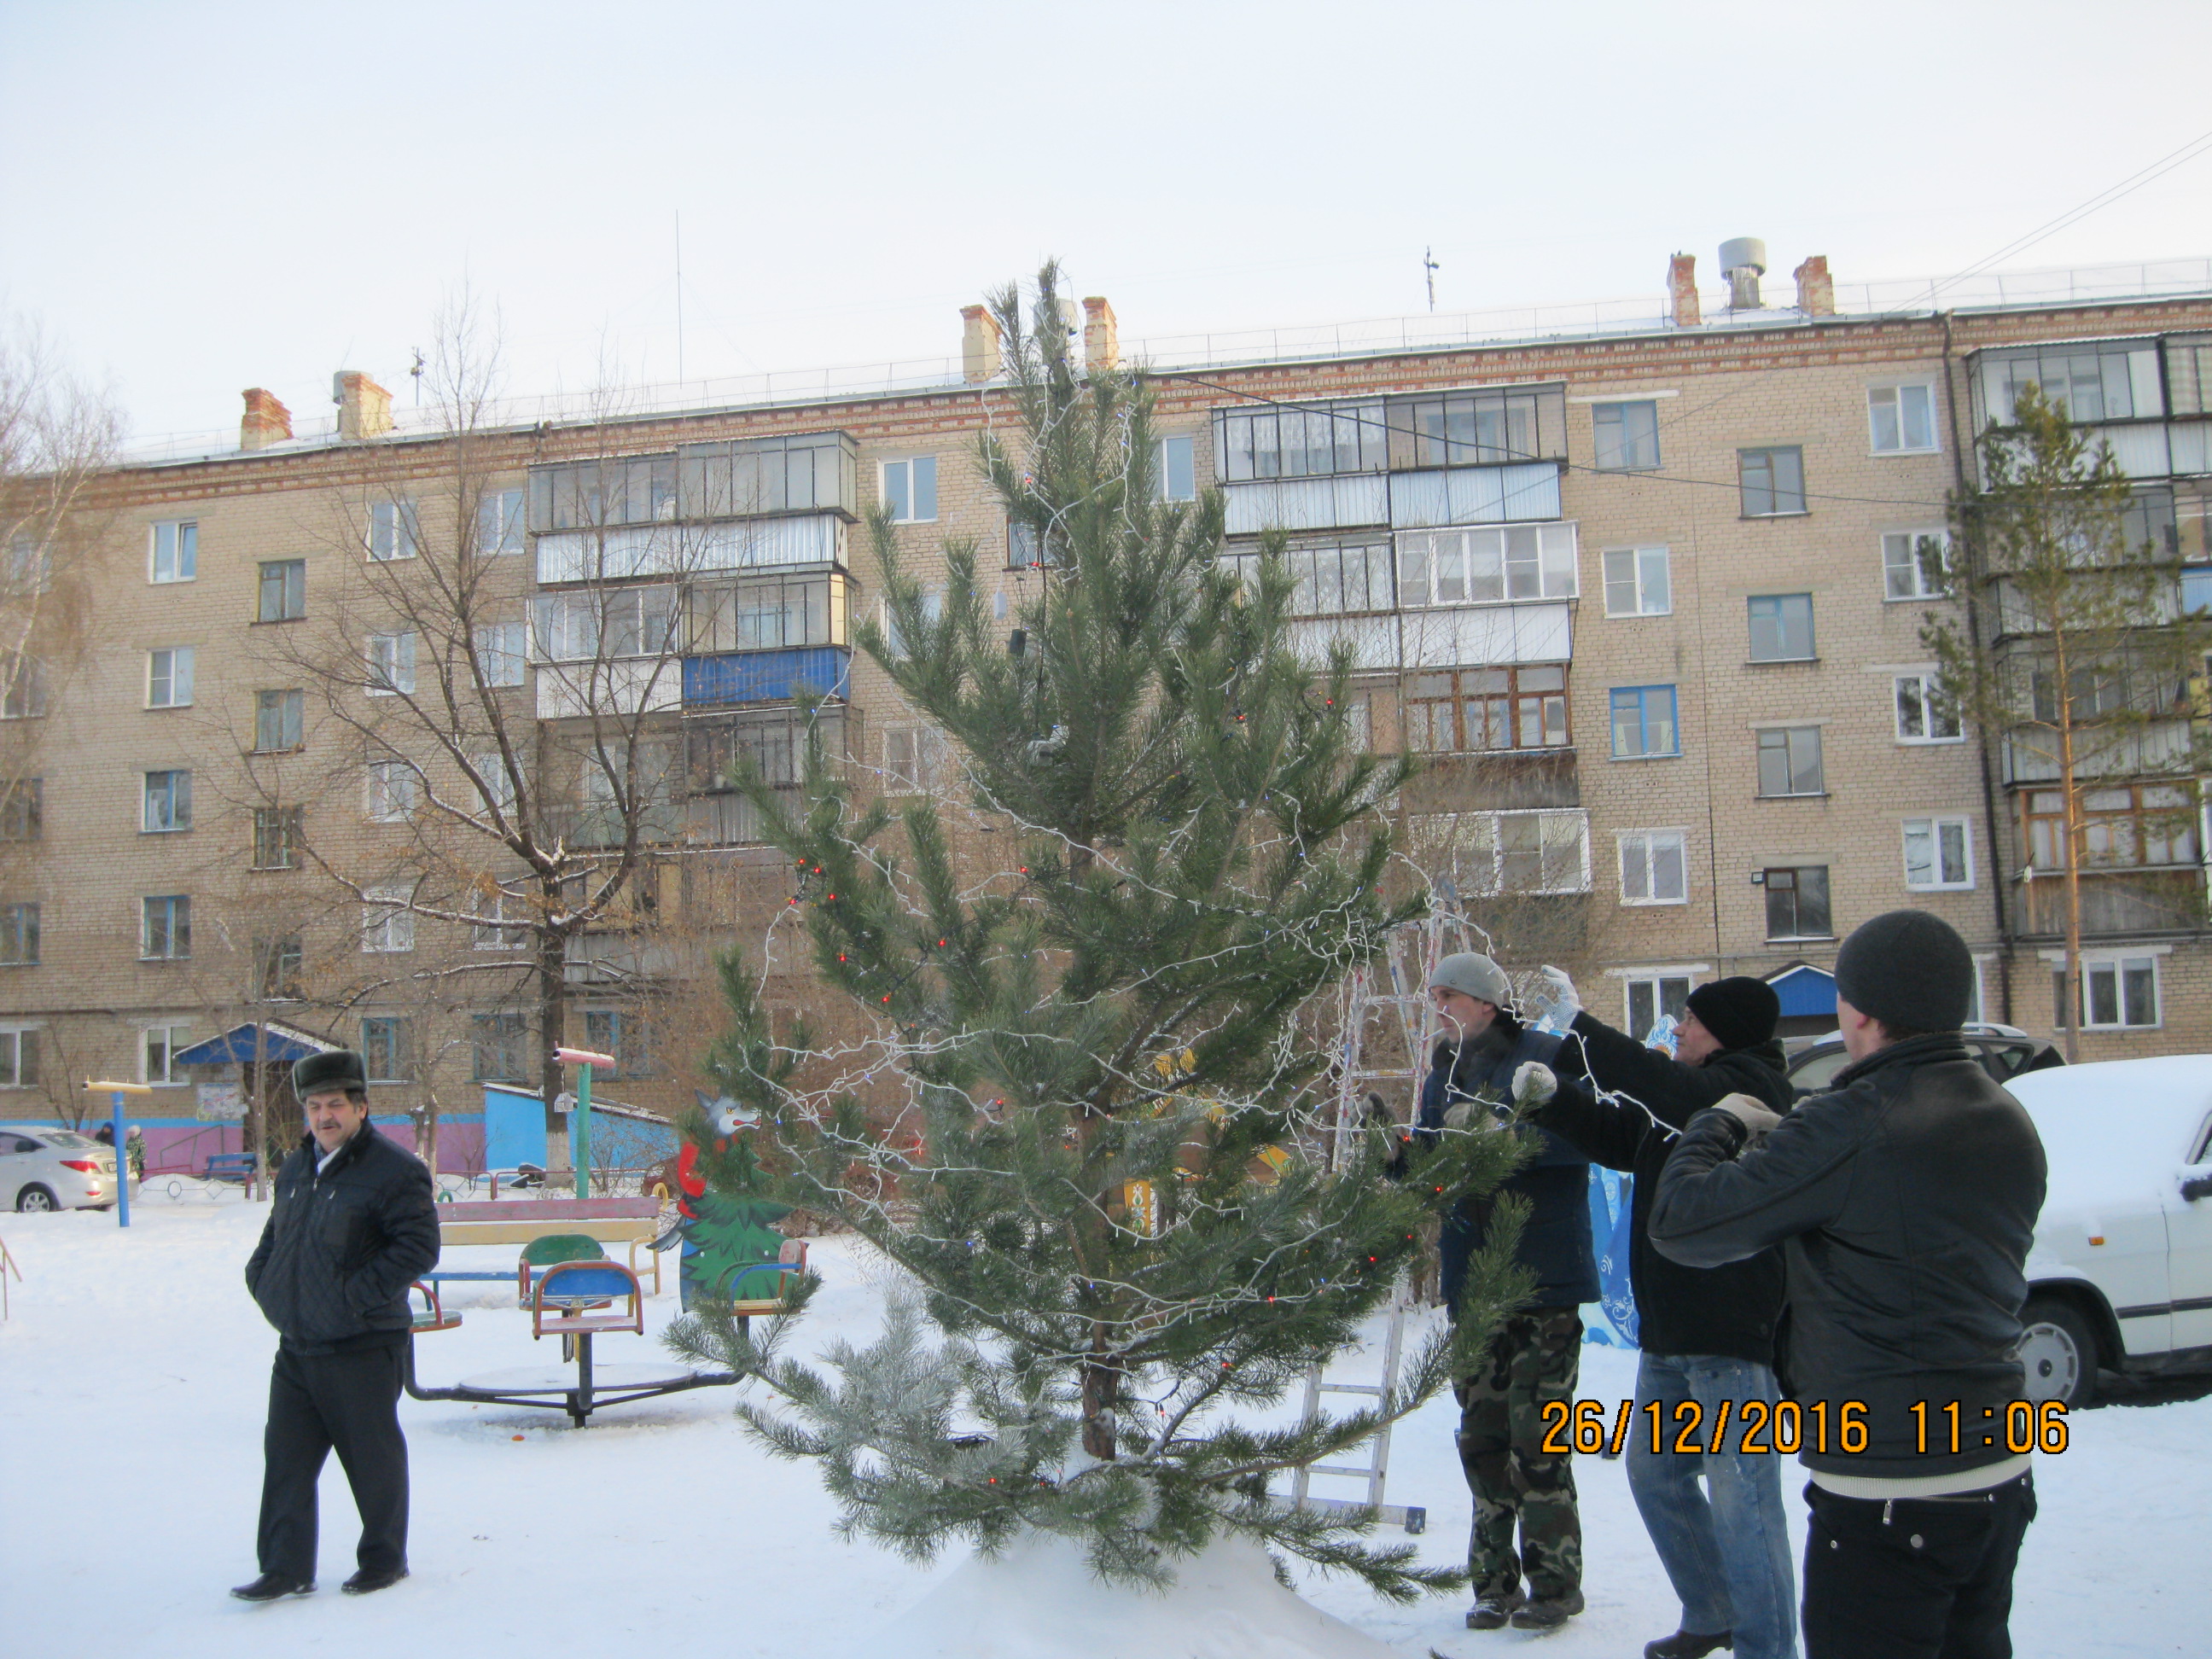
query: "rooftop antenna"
1430, 267
417, 371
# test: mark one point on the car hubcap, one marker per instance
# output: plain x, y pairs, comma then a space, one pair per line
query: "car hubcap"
37, 1201
2047, 1354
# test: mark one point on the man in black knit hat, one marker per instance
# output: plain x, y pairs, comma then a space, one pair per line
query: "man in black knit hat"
1904, 1202
352, 1226
1707, 1333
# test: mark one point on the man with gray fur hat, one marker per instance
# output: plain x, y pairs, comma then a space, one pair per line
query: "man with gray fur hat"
1536, 1354
352, 1226
1904, 1202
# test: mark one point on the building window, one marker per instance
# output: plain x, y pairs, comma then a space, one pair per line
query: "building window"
174, 551
495, 782
909, 489
19, 1058
1643, 723
1925, 714
1487, 566
1546, 851
19, 935
165, 928
278, 718
276, 839
1638, 582
158, 1048
1628, 436
391, 664
394, 790
498, 925
25, 697
1654, 867
392, 531
1915, 565
29, 569
621, 622
2196, 589
500, 649
2117, 992
499, 521
913, 756
167, 802
1938, 852
1483, 429
1902, 418
283, 591
624, 1035
277, 969
1790, 761
1333, 580
498, 1047
933, 611
1474, 709
388, 926
386, 1053
1798, 903
1175, 460
1650, 997
169, 678
1781, 627
1773, 482
2129, 827
771, 615
1300, 443
22, 809
2110, 380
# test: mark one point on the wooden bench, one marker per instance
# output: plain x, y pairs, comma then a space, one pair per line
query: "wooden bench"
633, 1221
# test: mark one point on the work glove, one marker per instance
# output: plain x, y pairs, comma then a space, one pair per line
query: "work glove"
1479, 1115
1558, 1001
1758, 1119
1533, 1084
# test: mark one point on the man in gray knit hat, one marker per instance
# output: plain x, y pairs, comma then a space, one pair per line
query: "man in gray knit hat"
1904, 1202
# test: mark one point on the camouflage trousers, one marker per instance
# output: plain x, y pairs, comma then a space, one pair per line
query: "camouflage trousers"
1534, 1356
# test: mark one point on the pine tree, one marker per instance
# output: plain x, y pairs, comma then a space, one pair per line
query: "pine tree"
1124, 1216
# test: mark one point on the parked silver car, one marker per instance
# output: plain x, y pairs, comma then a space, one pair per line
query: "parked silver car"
2120, 1274
55, 1169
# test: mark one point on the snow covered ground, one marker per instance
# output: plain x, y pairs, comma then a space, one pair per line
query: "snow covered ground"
132, 1375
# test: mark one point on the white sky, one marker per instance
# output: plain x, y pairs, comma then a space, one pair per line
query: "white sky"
197, 198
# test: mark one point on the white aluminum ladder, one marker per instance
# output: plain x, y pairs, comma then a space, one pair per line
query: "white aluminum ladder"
1412, 1516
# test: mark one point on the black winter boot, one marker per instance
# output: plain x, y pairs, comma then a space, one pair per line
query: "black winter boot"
1688, 1645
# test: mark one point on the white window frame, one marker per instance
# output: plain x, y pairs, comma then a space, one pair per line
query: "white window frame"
917, 774
486, 933
1933, 826
387, 927
1641, 560
1464, 556
179, 823
1896, 389
502, 522
169, 684
1656, 979
390, 659
1464, 852
932, 611
493, 770
1188, 442
1788, 731
382, 801
12, 1047
2115, 964
1637, 848
171, 1042
1921, 593
184, 539
1926, 678
902, 507
392, 531
503, 646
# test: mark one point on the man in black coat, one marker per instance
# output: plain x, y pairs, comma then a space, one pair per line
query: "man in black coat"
1707, 1333
1904, 1202
354, 1224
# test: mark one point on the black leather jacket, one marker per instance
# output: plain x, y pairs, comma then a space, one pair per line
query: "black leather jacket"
1904, 1202
333, 1266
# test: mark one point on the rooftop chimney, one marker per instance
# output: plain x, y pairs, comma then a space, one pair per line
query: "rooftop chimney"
1102, 341
1743, 262
364, 407
979, 344
1682, 291
265, 421
1816, 289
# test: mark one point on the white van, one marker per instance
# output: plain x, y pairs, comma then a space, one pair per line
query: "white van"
2120, 1273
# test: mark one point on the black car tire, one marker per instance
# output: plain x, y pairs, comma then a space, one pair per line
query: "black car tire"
35, 1198
2058, 1351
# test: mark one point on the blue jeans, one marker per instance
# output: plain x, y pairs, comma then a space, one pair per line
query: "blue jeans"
1727, 1554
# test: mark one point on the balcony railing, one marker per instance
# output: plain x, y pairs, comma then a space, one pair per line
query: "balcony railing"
743, 677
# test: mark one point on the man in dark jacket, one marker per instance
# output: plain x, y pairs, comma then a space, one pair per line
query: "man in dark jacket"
1707, 1333
1904, 1202
352, 1226
1536, 1354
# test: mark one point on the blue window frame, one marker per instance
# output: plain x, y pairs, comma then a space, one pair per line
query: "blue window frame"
1644, 722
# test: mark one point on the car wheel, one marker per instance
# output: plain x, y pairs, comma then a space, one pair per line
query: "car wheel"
2057, 1353
34, 1199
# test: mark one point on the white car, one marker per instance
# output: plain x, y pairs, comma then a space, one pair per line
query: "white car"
2120, 1273
55, 1169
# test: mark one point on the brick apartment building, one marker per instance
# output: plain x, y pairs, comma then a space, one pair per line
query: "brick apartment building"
1644, 590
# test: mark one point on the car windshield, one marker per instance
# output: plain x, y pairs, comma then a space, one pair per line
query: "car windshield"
1818, 1069
66, 1137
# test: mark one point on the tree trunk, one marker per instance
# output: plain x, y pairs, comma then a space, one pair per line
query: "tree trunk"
552, 1010
2070, 979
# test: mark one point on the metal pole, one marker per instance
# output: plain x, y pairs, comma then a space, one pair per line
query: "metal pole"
115, 1092
580, 1135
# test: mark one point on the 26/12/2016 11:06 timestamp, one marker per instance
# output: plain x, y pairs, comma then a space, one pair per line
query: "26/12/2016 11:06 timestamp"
1787, 1427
